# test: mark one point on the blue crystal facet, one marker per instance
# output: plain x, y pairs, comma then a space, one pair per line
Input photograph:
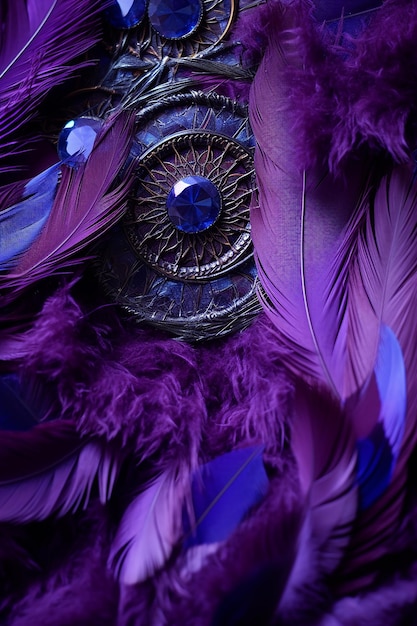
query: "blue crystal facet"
77, 138
175, 19
193, 204
126, 13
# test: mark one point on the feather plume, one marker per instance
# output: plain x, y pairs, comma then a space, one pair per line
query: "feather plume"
297, 226
323, 443
149, 529
335, 332
39, 40
339, 287
378, 452
333, 112
223, 491
50, 469
86, 205
22, 223
386, 261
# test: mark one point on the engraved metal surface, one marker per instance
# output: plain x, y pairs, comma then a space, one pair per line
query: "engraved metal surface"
146, 43
200, 285
148, 228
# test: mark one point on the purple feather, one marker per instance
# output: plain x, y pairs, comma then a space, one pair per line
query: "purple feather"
149, 529
223, 491
39, 40
22, 223
296, 228
387, 264
386, 394
323, 443
364, 249
51, 469
86, 205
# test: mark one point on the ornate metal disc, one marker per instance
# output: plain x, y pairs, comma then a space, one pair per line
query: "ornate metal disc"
151, 43
155, 239
201, 284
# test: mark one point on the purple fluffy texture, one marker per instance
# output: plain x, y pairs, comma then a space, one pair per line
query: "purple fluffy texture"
158, 394
77, 589
346, 94
188, 404
394, 604
253, 30
182, 595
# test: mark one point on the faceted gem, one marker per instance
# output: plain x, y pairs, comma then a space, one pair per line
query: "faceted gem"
77, 138
193, 204
175, 19
126, 13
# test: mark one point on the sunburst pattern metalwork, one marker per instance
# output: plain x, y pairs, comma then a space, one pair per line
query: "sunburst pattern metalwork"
201, 255
200, 285
147, 44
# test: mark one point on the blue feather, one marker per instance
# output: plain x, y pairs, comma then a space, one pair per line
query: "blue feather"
15, 413
377, 453
223, 492
21, 224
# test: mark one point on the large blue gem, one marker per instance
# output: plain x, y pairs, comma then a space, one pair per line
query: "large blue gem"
77, 138
126, 13
193, 204
174, 19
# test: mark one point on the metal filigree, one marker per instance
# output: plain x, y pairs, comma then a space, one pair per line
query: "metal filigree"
145, 43
198, 285
192, 256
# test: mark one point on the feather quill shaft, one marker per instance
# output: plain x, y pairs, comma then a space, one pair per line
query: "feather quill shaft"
297, 225
223, 492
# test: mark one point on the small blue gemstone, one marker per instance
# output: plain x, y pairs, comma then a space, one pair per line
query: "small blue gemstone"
175, 19
126, 13
193, 204
77, 138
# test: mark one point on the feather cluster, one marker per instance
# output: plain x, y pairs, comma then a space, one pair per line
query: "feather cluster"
346, 94
257, 479
40, 41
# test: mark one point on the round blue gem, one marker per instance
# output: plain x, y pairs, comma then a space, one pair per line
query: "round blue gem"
193, 204
175, 19
126, 13
77, 138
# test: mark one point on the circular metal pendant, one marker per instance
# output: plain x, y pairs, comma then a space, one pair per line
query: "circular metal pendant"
200, 284
180, 28
200, 255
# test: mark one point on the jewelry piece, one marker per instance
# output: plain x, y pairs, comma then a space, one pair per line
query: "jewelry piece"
181, 259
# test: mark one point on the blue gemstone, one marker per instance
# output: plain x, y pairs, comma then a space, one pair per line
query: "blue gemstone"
125, 13
77, 138
193, 204
175, 19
